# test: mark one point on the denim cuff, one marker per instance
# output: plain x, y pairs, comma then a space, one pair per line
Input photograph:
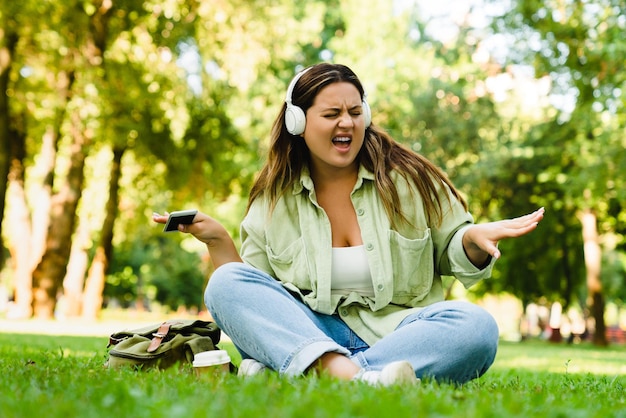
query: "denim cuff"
308, 354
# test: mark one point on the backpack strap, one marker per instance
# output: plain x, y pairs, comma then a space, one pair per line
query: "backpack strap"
161, 333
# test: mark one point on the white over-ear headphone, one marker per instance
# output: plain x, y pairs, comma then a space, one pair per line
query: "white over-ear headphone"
295, 120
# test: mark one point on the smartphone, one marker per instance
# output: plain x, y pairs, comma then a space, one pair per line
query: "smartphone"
176, 218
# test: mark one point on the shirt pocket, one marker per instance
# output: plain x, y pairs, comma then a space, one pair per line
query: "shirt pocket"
290, 264
413, 266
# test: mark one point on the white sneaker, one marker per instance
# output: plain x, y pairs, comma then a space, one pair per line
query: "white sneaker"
396, 373
251, 367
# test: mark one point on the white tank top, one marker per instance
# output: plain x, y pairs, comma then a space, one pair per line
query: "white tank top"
350, 272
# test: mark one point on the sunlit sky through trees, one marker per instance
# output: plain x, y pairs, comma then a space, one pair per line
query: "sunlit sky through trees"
444, 19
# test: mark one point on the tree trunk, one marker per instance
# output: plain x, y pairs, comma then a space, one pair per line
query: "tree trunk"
593, 255
92, 298
31, 231
76, 268
50, 272
94, 285
9, 41
18, 232
43, 172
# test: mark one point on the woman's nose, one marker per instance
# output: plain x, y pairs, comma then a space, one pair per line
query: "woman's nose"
346, 120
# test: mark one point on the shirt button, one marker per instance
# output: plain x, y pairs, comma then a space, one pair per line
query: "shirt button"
360, 212
344, 312
369, 247
380, 287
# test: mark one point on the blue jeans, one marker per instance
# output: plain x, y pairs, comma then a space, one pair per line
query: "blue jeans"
450, 341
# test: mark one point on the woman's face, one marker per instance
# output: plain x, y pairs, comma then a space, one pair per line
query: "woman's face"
335, 127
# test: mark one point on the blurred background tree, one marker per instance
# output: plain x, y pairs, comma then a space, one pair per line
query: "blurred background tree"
579, 47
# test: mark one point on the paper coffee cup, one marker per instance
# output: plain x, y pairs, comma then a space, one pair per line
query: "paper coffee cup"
213, 362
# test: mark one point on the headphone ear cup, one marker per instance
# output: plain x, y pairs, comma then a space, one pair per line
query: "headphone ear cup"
367, 113
295, 120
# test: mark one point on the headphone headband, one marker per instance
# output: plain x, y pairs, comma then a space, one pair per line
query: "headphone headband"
295, 119
292, 85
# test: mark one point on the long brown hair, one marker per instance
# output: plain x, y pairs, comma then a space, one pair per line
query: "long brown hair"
380, 154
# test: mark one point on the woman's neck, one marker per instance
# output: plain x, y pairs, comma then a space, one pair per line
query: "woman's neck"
335, 178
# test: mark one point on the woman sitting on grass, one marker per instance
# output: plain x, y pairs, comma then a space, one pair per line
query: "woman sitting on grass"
344, 242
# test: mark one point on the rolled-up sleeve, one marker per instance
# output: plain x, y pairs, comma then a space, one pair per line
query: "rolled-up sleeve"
461, 266
450, 255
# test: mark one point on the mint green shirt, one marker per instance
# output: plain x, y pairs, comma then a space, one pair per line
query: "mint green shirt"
294, 245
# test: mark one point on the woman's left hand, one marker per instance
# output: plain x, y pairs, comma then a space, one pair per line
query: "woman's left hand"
480, 240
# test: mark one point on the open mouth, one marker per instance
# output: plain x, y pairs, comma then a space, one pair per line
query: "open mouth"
342, 141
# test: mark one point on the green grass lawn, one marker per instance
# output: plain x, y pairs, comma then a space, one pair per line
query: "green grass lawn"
47, 376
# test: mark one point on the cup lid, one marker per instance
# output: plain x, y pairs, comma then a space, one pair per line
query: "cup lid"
211, 358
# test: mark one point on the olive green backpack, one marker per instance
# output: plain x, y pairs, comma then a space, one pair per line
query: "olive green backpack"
163, 345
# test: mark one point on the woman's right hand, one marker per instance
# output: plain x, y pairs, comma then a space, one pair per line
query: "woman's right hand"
209, 231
